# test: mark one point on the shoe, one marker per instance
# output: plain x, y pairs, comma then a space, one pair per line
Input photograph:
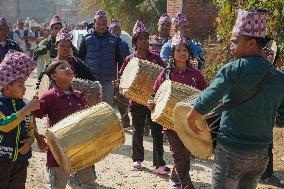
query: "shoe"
175, 185
162, 170
127, 128
274, 181
137, 166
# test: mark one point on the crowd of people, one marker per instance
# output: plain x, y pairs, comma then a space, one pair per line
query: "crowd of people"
244, 141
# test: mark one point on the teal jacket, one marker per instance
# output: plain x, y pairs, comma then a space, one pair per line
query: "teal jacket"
247, 125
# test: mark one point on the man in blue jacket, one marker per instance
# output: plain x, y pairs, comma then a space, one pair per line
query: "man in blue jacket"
241, 154
100, 51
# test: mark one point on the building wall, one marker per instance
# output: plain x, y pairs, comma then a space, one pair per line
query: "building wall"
200, 13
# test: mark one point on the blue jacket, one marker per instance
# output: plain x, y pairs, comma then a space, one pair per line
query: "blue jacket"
195, 50
101, 54
13, 129
247, 125
123, 49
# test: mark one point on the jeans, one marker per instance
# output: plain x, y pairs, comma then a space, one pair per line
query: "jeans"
57, 177
238, 169
269, 169
139, 114
108, 91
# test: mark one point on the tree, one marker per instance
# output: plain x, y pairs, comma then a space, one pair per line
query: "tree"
220, 54
128, 11
227, 10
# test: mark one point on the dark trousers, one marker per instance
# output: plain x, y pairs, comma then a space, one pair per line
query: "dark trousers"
122, 105
181, 168
13, 175
139, 114
269, 169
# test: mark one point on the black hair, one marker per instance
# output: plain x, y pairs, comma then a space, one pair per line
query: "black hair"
260, 41
135, 38
49, 70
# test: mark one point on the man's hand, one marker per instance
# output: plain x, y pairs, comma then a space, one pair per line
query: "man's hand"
151, 104
192, 117
26, 147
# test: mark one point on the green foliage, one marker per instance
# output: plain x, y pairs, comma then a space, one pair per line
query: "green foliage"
219, 54
128, 11
227, 16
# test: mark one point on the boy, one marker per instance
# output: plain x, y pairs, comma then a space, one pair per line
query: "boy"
16, 123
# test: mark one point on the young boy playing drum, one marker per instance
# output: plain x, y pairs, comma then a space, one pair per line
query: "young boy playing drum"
16, 121
59, 102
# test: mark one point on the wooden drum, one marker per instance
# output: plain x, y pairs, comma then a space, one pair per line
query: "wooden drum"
92, 90
202, 145
168, 95
138, 79
86, 137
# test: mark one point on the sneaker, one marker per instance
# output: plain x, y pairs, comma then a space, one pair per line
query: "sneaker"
274, 181
162, 170
127, 128
175, 185
137, 166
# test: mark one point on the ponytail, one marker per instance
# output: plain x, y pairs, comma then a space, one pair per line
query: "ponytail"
49, 70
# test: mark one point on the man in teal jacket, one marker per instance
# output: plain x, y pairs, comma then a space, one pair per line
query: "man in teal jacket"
245, 133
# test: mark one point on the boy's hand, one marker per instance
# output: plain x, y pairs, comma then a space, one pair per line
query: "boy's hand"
151, 104
33, 105
26, 147
41, 143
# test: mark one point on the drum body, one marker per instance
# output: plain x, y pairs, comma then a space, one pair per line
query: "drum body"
138, 79
92, 90
168, 95
86, 137
202, 145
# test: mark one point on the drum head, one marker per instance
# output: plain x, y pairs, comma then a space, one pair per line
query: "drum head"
57, 151
161, 99
129, 74
199, 145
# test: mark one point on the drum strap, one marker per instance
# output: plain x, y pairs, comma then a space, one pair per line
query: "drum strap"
225, 106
